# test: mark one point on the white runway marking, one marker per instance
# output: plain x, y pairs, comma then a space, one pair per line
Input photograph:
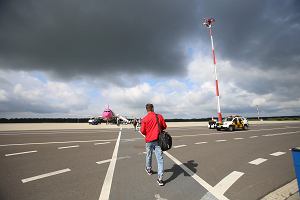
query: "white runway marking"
25, 152
45, 175
253, 136
201, 143
129, 140
203, 183
102, 143
228, 181
238, 138
268, 129
179, 146
105, 191
158, 197
203, 134
66, 142
68, 147
221, 140
276, 134
109, 160
258, 161
278, 153
53, 132
103, 161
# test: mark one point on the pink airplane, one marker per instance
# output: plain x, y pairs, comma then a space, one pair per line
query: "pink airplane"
108, 115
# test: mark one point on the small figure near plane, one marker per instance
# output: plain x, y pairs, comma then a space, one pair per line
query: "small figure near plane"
108, 116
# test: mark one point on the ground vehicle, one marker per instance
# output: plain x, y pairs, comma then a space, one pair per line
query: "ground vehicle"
212, 124
233, 123
94, 121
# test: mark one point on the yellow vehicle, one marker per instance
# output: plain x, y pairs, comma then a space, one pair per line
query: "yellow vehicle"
232, 123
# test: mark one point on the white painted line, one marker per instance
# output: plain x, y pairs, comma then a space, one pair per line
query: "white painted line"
203, 183
105, 191
278, 153
124, 157
68, 147
45, 175
49, 133
103, 161
276, 134
66, 142
102, 143
258, 161
221, 133
201, 143
221, 140
129, 140
109, 160
52, 132
268, 129
179, 146
25, 152
284, 192
228, 181
238, 138
253, 136
158, 197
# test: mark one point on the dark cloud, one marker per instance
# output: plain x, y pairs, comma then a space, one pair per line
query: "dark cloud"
71, 38
262, 33
109, 42
101, 38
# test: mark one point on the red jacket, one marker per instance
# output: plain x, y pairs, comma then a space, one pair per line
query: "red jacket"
149, 126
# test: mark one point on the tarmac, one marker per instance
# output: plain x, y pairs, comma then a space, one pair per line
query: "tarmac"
56, 126
289, 191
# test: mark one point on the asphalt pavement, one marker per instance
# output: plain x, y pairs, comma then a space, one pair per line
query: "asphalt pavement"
92, 164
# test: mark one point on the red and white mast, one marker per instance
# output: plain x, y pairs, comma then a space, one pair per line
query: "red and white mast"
208, 23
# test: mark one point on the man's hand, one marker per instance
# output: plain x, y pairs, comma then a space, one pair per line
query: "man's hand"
142, 134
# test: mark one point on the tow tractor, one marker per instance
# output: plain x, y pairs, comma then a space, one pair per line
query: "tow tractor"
232, 123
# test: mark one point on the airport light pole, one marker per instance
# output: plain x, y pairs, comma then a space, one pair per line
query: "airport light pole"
208, 24
257, 112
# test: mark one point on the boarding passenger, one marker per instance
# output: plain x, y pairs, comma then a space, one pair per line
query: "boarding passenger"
150, 129
135, 123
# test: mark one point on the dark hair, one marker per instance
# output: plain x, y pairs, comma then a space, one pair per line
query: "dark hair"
149, 107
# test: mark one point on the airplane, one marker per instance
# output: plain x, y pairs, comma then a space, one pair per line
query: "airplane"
109, 116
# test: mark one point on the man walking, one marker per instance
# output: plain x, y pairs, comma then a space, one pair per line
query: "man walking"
150, 129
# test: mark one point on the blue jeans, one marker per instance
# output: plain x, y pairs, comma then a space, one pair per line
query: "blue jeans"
150, 147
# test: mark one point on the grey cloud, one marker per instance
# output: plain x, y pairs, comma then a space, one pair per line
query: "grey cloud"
263, 33
100, 38
70, 38
123, 41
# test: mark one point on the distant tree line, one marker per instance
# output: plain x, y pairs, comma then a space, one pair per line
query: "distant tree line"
85, 120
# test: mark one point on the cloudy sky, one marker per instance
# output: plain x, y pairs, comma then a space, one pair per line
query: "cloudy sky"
71, 58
